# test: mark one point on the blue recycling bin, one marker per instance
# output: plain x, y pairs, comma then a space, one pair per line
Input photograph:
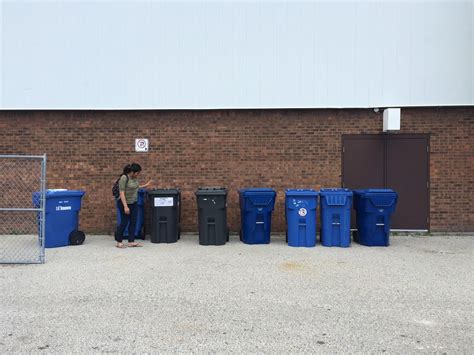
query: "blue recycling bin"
256, 207
336, 217
374, 208
62, 215
140, 215
300, 212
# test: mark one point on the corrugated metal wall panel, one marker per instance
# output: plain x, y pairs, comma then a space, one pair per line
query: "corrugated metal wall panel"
239, 54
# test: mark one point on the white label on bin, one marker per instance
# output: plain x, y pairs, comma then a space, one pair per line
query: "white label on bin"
302, 212
163, 201
63, 208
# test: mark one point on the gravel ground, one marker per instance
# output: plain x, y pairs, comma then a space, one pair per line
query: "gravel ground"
414, 296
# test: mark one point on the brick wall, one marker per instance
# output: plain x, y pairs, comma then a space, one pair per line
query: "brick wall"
233, 148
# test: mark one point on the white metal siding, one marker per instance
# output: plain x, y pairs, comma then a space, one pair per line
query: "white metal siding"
236, 54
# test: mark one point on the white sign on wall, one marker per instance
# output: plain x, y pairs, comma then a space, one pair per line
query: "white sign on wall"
141, 145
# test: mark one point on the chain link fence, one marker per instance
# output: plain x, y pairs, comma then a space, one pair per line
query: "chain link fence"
22, 208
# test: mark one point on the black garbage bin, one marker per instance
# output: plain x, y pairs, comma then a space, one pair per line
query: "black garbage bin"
165, 207
212, 214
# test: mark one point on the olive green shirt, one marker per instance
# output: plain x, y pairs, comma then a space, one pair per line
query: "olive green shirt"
130, 188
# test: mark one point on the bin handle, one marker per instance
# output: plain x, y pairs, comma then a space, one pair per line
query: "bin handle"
336, 223
388, 204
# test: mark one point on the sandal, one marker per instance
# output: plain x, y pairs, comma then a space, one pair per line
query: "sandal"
120, 246
134, 245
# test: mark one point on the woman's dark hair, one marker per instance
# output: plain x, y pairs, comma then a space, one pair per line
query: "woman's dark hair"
134, 167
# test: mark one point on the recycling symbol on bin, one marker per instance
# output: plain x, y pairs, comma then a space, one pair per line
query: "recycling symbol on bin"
302, 212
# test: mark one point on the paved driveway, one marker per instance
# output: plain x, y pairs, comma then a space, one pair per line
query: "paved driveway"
416, 295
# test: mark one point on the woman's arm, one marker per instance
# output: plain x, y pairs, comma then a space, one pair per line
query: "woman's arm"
146, 185
124, 202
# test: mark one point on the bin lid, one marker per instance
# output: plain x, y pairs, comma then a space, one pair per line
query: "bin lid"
211, 190
163, 192
54, 193
374, 191
63, 193
256, 191
301, 192
378, 197
258, 197
335, 191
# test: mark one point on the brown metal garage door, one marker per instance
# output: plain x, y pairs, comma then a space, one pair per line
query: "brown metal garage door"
395, 161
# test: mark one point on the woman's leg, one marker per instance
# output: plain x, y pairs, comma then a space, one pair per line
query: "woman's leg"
133, 222
124, 219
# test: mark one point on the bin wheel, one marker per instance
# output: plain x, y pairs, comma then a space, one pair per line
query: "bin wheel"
240, 235
228, 234
179, 233
76, 237
286, 235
